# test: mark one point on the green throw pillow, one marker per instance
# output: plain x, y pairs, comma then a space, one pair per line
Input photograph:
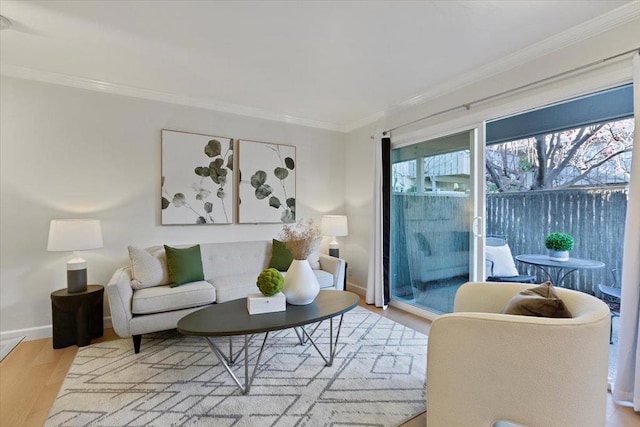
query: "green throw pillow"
281, 256
184, 265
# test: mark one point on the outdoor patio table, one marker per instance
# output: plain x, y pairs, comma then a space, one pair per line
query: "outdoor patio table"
558, 270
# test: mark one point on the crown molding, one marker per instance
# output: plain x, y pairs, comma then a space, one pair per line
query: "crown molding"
137, 92
364, 121
569, 37
573, 35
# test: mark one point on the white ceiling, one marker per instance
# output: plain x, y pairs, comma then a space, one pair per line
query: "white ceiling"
329, 64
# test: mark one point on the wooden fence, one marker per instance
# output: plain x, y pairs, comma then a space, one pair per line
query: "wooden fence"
594, 217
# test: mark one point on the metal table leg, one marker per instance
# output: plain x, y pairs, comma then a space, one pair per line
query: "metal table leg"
227, 362
333, 345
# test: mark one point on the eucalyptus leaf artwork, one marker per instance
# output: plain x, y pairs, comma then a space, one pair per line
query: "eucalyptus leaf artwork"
267, 182
197, 179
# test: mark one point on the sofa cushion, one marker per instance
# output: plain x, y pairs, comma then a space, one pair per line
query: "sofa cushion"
227, 259
314, 257
236, 286
325, 279
185, 264
281, 256
165, 298
148, 267
541, 301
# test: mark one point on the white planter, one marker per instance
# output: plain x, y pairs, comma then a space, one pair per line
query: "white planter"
300, 283
559, 255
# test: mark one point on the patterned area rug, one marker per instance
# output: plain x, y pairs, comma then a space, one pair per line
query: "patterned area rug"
377, 379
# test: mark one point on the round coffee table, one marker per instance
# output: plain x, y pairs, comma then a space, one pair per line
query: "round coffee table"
232, 318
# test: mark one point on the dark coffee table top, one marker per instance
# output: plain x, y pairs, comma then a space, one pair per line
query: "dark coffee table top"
233, 318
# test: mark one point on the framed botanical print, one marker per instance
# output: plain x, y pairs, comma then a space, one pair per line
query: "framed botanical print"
266, 182
197, 179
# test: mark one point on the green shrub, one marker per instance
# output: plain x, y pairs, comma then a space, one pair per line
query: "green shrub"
559, 242
270, 282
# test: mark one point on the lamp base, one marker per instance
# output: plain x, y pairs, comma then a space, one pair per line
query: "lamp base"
76, 281
334, 248
76, 275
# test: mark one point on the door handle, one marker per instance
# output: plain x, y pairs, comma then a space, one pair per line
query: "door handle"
476, 226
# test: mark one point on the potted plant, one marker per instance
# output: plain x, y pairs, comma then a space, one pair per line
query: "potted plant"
559, 245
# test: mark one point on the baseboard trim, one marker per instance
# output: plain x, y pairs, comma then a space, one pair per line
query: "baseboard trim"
39, 332
29, 334
356, 289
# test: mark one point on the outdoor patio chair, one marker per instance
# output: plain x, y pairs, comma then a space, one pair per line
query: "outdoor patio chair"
500, 264
612, 297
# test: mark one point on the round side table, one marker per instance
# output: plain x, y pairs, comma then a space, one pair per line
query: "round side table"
77, 317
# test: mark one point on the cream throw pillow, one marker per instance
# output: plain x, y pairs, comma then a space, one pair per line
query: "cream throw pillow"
314, 257
148, 267
503, 264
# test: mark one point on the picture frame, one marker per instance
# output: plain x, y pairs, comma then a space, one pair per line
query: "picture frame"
266, 182
198, 179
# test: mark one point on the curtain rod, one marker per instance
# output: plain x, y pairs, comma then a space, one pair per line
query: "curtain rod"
468, 105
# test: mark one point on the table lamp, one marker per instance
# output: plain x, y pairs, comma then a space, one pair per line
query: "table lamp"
334, 226
75, 235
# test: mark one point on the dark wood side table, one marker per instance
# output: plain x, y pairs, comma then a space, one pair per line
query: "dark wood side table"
77, 317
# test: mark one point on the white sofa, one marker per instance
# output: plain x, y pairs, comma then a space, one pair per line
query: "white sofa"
230, 272
485, 367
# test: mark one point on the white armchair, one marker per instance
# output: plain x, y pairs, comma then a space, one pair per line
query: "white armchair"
484, 367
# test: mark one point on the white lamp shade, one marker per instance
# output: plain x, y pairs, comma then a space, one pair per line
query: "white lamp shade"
74, 235
334, 225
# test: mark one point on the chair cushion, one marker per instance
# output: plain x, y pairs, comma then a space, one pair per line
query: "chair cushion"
503, 264
159, 299
184, 264
541, 301
148, 267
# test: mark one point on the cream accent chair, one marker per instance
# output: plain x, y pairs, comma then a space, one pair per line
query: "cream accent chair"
486, 368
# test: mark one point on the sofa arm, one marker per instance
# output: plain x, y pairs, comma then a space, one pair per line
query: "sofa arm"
120, 293
335, 266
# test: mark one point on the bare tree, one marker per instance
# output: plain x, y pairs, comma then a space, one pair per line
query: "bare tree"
590, 155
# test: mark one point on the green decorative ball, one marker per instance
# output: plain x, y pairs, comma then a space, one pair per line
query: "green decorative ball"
270, 282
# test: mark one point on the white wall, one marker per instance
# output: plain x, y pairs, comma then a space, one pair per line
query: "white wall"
359, 150
74, 153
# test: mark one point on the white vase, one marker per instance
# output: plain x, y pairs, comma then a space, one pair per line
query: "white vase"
300, 283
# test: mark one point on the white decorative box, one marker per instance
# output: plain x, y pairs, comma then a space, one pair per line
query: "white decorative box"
259, 304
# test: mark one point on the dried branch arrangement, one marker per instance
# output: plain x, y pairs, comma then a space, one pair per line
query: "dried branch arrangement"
301, 238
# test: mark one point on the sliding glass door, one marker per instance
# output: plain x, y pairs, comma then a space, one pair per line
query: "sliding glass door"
434, 226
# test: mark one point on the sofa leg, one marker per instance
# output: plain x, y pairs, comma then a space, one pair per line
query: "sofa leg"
137, 340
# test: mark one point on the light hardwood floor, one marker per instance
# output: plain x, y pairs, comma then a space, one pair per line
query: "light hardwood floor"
32, 374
